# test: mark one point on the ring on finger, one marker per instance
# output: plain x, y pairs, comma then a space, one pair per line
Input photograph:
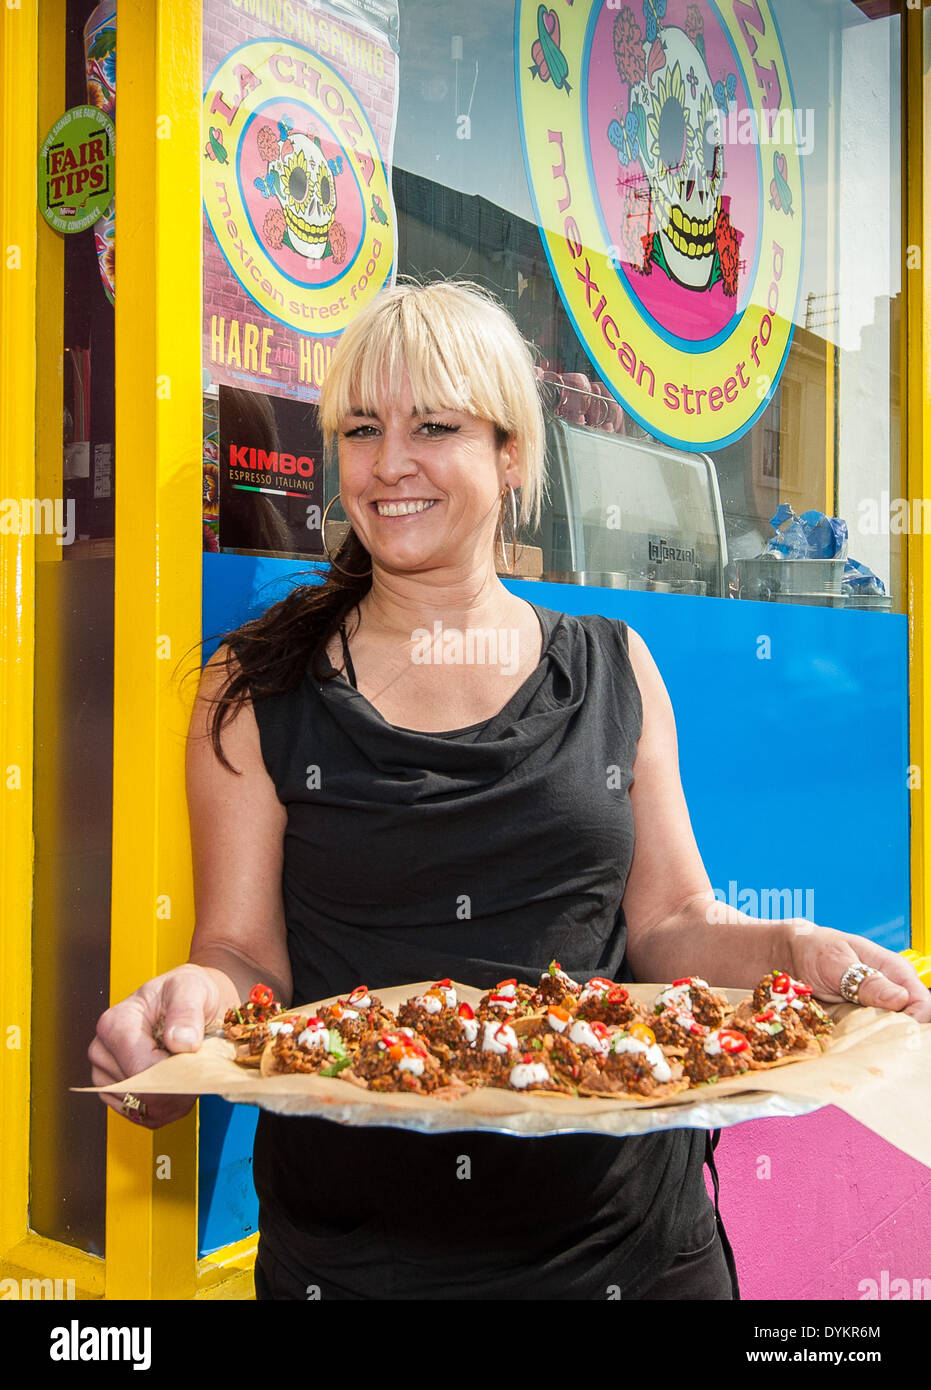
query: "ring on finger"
852, 979
133, 1108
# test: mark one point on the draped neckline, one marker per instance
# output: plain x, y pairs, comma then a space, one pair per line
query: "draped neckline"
351, 698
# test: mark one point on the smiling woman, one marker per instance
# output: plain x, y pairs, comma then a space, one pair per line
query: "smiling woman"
457, 821
452, 818
431, 406
460, 349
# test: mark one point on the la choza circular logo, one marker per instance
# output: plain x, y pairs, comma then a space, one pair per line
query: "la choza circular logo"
294, 186
662, 150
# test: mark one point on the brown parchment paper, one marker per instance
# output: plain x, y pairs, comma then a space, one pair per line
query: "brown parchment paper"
876, 1068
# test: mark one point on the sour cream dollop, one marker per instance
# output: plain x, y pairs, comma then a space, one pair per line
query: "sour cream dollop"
562, 977
275, 1027
595, 988
343, 1012
652, 1051
675, 997
498, 1037
413, 1064
558, 1025
581, 1032
529, 1074
314, 1036
429, 1002
469, 1029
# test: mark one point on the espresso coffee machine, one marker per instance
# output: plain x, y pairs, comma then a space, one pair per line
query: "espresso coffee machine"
627, 512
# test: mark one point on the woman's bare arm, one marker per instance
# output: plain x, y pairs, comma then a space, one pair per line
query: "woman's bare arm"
237, 836
237, 840
676, 926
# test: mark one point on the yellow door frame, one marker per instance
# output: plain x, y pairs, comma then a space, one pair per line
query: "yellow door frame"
915, 366
151, 1243
151, 1181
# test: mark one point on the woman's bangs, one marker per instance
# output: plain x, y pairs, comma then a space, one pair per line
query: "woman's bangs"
459, 352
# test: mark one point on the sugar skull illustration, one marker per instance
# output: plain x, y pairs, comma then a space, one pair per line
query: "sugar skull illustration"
301, 182
674, 128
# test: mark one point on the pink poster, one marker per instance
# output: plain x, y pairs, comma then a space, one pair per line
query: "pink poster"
299, 225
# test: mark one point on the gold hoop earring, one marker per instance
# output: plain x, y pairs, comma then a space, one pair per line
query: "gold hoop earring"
326, 552
511, 566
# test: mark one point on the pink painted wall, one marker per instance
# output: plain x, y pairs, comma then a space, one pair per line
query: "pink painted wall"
840, 1205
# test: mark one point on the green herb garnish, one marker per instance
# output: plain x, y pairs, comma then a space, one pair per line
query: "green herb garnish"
335, 1067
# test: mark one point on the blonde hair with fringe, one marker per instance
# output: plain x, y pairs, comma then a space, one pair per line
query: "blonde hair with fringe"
461, 350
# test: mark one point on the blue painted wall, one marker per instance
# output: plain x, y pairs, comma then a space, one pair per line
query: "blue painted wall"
793, 765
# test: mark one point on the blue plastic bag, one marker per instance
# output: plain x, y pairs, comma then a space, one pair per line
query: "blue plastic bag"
811, 536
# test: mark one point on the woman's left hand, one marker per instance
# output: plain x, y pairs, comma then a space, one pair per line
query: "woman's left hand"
820, 956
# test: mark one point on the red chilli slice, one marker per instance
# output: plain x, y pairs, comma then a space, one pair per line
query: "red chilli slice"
732, 1041
261, 995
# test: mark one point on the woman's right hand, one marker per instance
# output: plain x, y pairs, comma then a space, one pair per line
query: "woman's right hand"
179, 1005
240, 934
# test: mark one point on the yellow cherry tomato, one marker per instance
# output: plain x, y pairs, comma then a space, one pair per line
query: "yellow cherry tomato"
645, 1034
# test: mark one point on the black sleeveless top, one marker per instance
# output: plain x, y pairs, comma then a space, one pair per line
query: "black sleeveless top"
479, 854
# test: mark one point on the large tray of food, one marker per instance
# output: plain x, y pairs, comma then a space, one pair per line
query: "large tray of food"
555, 1055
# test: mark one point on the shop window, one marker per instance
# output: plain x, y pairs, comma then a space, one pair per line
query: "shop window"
819, 428
694, 215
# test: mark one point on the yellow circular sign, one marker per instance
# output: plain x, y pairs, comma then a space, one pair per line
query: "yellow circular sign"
662, 148
294, 187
